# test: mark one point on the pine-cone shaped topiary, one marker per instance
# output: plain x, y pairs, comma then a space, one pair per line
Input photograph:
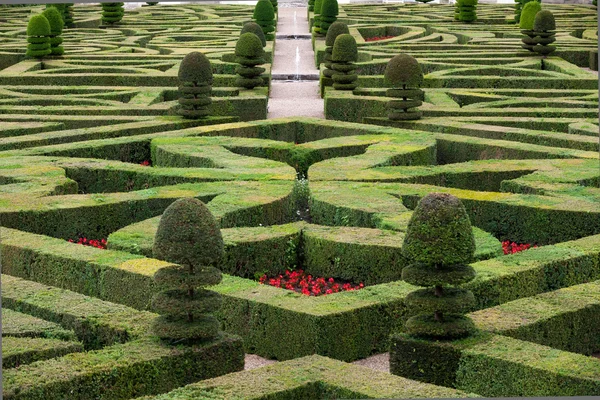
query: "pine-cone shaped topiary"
403, 73
336, 29
69, 15
112, 13
467, 10
343, 57
188, 235
329, 13
195, 72
527, 18
253, 27
56, 27
439, 242
38, 37
264, 14
249, 53
544, 27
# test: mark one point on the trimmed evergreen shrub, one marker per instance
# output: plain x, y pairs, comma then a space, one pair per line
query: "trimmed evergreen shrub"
38, 37
56, 27
249, 53
544, 27
466, 10
519, 6
253, 27
60, 7
526, 24
403, 73
336, 29
195, 73
187, 235
264, 14
439, 243
68, 14
274, 4
329, 12
343, 57
317, 17
311, 5
112, 13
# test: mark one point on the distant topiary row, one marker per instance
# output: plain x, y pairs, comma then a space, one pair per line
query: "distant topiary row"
539, 27
326, 12
466, 10
112, 13
264, 14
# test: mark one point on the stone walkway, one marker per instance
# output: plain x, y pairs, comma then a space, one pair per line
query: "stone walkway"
295, 80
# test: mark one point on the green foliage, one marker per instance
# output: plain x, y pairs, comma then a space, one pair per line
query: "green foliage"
329, 12
528, 14
466, 10
544, 21
249, 53
253, 27
424, 1
317, 16
337, 28
189, 236
68, 15
264, 14
274, 4
519, 6
195, 73
439, 240
344, 49
343, 57
56, 27
152, 3
38, 40
543, 30
112, 13
404, 71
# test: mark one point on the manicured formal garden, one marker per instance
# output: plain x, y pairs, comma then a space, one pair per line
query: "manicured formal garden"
446, 211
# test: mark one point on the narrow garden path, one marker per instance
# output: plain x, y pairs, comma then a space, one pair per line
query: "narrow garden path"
295, 80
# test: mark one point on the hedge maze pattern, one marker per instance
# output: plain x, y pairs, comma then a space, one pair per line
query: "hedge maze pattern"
511, 135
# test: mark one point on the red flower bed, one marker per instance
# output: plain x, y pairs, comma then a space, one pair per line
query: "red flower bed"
146, 163
376, 38
99, 244
511, 247
308, 285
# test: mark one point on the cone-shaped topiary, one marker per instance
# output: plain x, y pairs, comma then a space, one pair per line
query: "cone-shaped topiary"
187, 235
544, 27
466, 10
527, 17
264, 14
61, 9
317, 16
329, 12
56, 27
343, 57
195, 74
249, 53
69, 15
38, 37
403, 73
112, 13
253, 27
439, 244
336, 29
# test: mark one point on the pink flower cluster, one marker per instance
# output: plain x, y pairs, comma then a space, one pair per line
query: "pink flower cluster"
376, 38
511, 247
146, 163
99, 244
308, 285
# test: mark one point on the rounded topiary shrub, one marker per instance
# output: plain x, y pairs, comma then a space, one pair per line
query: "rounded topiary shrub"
329, 12
55, 20
249, 53
61, 9
544, 27
253, 27
439, 244
527, 18
38, 37
404, 76
467, 10
343, 57
187, 235
519, 7
195, 74
112, 13
264, 14
336, 29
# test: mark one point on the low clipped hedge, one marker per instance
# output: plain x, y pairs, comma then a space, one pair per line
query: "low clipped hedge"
17, 351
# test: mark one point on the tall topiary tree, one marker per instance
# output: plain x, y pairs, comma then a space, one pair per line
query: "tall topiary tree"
253, 27
264, 14
69, 15
317, 16
439, 244
56, 27
336, 29
343, 57
187, 235
249, 53
38, 37
195, 74
519, 6
467, 10
112, 13
329, 12
544, 29
526, 24
403, 73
